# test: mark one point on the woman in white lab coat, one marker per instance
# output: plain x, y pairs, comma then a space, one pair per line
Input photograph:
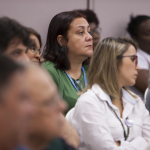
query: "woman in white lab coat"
107, 115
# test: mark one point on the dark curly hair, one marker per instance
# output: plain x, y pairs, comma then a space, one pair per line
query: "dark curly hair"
10, 29
90, 15
134, 23
59, 25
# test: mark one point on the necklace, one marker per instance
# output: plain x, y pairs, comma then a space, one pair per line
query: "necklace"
73, 83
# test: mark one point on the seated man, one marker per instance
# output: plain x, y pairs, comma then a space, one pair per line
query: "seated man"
14, 43
47, 123
14, 39
15, 105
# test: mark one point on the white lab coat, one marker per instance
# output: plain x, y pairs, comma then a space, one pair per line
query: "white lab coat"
99, 128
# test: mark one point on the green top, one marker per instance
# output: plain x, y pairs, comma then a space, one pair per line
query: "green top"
59, 144
66, 89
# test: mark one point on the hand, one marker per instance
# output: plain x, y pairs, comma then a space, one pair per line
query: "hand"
69, 134
118, 143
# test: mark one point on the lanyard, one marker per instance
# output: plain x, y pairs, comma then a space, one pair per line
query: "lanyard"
126, 135
85, 80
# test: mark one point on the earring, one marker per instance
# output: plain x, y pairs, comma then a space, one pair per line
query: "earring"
64, 48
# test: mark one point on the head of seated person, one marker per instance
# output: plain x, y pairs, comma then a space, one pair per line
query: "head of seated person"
116, 61
139, 30
94, 25
15, 106
34, 51
69, 40
14, 39
47, 120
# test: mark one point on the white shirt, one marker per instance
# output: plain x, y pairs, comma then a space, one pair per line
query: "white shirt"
143, 60
99, 128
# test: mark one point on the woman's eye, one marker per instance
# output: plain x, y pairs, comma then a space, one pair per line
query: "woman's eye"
132, 58
90, 32
33, 48
81, 33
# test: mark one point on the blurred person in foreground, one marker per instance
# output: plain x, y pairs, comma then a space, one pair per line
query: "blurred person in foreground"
94, 24
15, 105
14, 43
139, 30
68, 133
47, 122
107, 115
14, 39
68, 48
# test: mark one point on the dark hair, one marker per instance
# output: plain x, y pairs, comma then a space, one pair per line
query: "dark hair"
90, 15
32, 31
134, 23
9, 30
7, 68
59, 25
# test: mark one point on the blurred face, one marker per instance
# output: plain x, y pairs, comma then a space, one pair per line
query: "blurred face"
15, 110
49, 106
17, 51
128, 70
143, 38
79, 39
34, 52
95, 32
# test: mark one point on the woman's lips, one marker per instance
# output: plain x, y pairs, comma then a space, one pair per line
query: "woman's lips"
89, 46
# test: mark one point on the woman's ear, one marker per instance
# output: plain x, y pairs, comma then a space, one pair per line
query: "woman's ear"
61, 40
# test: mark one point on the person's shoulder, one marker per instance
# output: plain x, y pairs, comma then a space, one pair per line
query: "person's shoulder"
89, 97
48, 64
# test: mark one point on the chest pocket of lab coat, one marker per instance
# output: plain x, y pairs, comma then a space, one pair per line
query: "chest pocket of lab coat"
116, 129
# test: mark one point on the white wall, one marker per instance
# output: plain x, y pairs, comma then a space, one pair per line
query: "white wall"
113, 14
37, 13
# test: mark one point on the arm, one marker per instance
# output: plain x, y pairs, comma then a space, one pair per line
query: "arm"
90, 118
146, 123
142, 80
69, 134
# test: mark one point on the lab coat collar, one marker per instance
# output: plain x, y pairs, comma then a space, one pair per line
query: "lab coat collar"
103, 96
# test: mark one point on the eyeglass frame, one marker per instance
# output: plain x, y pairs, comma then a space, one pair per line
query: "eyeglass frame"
136, 58
94, 31
35, 51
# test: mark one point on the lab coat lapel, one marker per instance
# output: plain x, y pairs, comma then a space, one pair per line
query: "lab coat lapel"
129, 103
102, 95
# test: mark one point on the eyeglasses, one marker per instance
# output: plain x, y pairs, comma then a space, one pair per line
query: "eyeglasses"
134, 58
96, 30
35, 50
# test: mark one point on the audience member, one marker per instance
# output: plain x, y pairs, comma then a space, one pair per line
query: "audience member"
15, 106
139, 30
14, 39
46, 123
68, 46
108, 116
68, 133
34, 51
94, 25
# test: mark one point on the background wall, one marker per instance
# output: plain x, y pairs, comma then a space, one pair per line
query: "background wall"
113, 14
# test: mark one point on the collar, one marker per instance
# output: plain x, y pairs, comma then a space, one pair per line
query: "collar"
143, 52
105, 97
